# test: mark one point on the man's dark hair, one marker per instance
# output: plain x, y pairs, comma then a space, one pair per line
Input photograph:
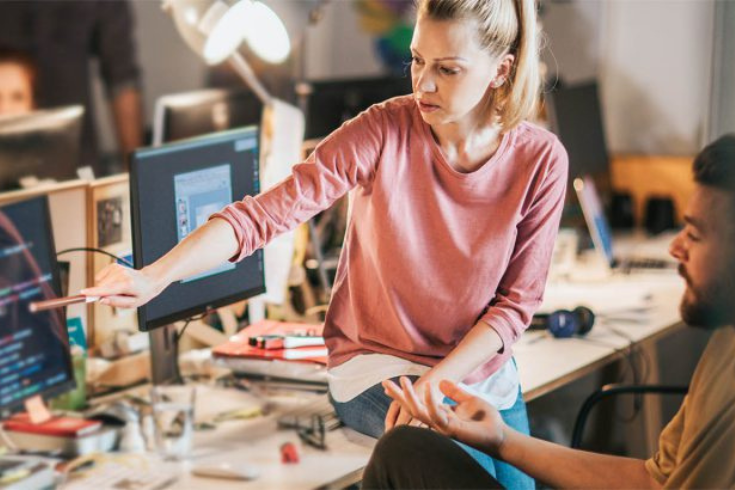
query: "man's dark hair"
25, 60
715, 165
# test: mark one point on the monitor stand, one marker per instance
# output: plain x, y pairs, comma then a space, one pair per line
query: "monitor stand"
164, 355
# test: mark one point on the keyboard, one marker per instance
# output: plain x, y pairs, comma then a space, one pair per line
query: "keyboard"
645, 263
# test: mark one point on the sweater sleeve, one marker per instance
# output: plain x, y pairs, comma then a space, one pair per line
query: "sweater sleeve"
345, 159
521, 289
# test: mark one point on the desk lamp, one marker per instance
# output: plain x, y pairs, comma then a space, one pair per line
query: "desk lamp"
214, 29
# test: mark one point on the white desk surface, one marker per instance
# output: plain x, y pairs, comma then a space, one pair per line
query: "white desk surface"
544, 363
257, 443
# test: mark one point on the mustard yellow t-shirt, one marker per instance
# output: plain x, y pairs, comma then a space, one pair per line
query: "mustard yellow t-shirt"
697, 448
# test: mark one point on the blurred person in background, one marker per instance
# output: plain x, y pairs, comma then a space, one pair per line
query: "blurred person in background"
63, 38
17, 82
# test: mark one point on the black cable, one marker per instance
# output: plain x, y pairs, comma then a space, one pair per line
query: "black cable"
630, 352
177, 338
96, 250
179, 334
639, 374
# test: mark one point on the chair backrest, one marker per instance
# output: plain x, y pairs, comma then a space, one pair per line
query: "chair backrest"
612, 390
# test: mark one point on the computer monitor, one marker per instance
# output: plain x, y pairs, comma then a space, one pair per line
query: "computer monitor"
329, 103
575, 115
185, 115
174, 189
43, 144
34, 347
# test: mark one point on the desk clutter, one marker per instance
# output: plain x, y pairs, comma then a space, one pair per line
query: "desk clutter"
279, 351
294, 423
126, 471
20, 473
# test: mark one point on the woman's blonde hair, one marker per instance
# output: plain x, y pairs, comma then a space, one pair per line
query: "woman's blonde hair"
504, 26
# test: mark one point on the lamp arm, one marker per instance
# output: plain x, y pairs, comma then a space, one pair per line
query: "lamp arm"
243, 69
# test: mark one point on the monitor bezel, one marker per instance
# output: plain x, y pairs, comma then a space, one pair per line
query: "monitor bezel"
70, 118
580, 166
171, 106
144, 323
70, 384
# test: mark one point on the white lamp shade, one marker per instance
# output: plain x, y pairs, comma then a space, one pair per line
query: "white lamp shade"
266, 34
214, 29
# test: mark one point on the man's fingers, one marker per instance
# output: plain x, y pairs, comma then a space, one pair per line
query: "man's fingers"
393, 391
404, 417
413, 404
390, 416
437, 417
453, 391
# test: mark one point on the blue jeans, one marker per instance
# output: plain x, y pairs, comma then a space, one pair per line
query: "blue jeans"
366, 414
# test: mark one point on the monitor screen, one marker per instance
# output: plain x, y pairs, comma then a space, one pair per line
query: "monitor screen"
43, 144
174, 190
190, 114
329, 103
576, 118
34, 347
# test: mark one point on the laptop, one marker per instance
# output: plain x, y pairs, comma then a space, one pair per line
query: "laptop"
602, 237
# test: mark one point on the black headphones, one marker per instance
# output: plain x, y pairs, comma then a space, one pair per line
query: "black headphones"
564, 323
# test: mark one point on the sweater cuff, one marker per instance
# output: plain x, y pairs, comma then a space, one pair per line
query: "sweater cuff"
499, 322
230, 216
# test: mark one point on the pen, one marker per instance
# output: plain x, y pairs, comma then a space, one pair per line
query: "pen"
50, 304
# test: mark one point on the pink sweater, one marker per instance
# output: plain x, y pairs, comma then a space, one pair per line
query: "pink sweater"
428, 250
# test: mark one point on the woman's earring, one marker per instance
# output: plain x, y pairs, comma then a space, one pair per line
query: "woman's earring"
498, 83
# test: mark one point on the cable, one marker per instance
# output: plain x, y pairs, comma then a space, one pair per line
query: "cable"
177, 338
96, 250
639, 373
179, 334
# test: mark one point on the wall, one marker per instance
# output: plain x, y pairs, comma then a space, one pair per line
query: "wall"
722, 102
574, 33
653, 62
656, 75
337, 47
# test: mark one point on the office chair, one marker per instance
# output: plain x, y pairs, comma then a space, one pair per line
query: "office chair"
613, 390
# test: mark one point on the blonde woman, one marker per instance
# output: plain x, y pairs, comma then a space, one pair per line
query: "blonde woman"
456, 201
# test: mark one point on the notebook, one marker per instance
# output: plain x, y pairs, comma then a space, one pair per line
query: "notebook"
57, 426
602, 237
305, 364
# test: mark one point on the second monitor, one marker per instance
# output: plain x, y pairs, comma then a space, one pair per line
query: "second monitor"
174, 190
43, 144
190, 114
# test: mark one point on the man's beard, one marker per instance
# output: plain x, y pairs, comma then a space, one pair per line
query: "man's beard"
709, 307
